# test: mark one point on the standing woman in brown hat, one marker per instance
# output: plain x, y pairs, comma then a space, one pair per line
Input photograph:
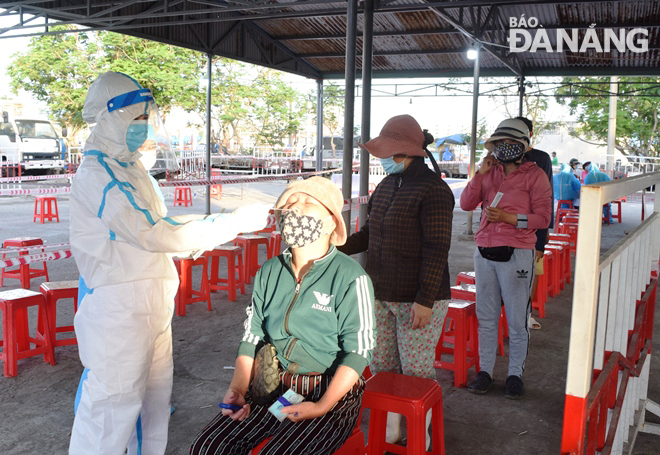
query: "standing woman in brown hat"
313, 307
407, 235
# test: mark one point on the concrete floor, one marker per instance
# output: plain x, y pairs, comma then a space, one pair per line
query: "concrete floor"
36, 407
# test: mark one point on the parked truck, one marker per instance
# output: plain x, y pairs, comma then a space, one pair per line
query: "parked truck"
32, 144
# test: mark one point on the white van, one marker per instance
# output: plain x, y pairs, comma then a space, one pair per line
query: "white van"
32, 143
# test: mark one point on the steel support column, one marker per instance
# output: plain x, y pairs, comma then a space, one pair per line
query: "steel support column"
209, 86
611, 122
349, 104
319, 124
473, 136
521, 95
367, 53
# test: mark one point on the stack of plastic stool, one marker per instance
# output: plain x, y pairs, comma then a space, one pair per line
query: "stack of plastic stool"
411, 397
183, 196
572, 230
16, 340
468, 292
250, 244
567, 259
540, 298
235, 277
24, 272
466, 277
274, 244
54, 291
45, 208
186, 294
558, 272
549, 271
460, 330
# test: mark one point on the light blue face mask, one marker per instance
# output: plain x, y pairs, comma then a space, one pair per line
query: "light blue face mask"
391, 166
137, 133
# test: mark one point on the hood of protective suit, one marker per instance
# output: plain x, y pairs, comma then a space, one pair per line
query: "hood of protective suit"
565, 168
595, 175
109, 132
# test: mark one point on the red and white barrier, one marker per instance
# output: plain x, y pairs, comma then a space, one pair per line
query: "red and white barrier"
34, 191
611, 327
37, 257
40, 248
28, 178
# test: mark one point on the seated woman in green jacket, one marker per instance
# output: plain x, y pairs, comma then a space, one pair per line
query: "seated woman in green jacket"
314, 304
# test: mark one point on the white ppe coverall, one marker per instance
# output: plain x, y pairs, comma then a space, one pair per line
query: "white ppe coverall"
123, 244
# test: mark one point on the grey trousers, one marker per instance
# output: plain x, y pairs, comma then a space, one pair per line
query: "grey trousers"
509, 282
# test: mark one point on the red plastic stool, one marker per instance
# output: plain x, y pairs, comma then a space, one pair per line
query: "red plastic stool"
16, 340
43, 209
558, 271
216, 190
183, 196
572, 230
461, 326
549, 271
23, 272
561, 213
617, 215
571, 219
235, 279
274, 244
186, 294
559, 237
54, 291
567, 259
564, 202
271, 225
540, 297
465, 277
354, 445
412, 397
250, 244
469, 292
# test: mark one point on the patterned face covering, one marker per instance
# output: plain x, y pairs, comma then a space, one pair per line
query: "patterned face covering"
300, 230
508, 153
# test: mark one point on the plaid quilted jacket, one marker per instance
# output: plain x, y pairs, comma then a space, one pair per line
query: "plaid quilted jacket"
408, 235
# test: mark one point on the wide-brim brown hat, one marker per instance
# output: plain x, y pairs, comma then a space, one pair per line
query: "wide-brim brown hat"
401, 135
511, 128
324, 191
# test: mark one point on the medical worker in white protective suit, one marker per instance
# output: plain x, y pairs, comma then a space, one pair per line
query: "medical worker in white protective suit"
123, 242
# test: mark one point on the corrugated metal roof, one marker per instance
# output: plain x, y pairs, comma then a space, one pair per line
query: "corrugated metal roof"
307, 37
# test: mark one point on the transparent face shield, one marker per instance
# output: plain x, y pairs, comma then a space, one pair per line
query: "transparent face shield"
156, 152
146, 134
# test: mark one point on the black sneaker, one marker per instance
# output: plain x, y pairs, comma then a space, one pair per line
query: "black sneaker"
481, 384
514, 388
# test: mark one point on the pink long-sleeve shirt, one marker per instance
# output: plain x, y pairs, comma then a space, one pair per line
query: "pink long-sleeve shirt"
526, 191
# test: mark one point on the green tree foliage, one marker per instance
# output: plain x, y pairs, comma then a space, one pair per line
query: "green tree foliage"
637, 125
278, 112
57, 69
333, 111
172, 73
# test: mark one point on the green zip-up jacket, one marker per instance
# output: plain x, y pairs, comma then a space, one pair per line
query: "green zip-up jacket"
325, 321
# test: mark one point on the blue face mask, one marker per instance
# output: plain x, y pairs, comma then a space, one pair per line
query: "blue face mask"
137, 133
391, 166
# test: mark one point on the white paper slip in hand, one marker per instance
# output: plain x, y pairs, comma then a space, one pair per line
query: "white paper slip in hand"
497, 199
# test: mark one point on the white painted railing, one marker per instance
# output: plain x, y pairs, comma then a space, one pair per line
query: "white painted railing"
606, 305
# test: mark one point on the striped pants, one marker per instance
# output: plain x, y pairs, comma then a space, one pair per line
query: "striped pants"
320, 436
